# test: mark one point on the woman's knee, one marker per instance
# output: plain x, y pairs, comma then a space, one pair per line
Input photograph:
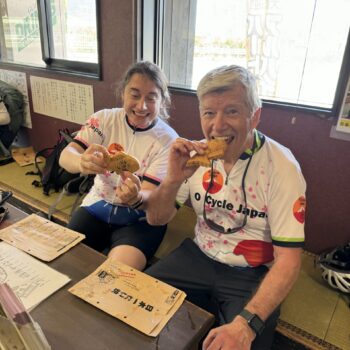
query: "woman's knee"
128, 255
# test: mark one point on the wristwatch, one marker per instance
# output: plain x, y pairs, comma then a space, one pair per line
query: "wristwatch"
254, 321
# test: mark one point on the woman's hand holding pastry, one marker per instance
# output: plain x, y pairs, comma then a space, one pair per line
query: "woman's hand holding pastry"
129, 191
94, 160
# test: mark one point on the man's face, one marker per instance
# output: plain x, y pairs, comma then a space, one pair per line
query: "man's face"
141, 100
226, 115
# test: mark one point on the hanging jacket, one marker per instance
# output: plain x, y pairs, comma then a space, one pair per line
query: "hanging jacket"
14, 103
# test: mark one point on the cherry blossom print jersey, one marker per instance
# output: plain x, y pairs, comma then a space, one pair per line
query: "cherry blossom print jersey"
275, 192
150, 146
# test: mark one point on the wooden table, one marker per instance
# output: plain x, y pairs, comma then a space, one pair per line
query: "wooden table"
70, 323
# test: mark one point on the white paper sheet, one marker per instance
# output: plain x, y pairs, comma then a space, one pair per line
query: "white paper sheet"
61, 99
32, 280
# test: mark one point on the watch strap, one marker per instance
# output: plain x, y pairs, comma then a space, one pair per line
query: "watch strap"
254, 321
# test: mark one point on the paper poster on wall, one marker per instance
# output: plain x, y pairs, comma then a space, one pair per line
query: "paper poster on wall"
19, 81
61, 99
344, 117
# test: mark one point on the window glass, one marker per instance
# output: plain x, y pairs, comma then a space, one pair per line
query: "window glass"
74, 30
20, 35
295, 47
68, 34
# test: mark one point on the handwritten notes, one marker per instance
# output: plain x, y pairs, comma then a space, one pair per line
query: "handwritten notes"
40, 237
133, 297
30, 279
63, 100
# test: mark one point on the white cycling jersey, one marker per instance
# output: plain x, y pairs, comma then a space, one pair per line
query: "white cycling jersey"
275, 191
150, 146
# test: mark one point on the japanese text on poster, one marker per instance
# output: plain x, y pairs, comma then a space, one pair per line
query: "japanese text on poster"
63, 100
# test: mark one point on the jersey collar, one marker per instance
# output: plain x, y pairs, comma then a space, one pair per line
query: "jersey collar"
154, 122
259, 140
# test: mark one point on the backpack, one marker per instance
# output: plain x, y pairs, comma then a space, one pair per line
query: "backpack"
52, 175
78, 186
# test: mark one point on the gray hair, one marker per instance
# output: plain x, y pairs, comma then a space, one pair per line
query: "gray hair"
225, 78
155, 74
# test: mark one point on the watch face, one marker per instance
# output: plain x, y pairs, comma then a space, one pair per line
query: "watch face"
254, 321
257, 324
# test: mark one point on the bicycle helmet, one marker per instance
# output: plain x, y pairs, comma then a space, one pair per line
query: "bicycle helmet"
335, 266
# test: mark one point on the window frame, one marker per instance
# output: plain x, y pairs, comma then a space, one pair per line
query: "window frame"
151, 49
76, 68
344, 75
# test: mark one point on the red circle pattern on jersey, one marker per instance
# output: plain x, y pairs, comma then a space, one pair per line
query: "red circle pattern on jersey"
218, 181
299, 209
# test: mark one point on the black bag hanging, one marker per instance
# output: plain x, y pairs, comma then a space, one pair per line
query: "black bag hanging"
52, 175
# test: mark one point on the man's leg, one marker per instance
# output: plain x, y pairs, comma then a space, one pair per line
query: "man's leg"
234, 287
188, 269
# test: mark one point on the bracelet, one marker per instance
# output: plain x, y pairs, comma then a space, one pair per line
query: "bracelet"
137, 204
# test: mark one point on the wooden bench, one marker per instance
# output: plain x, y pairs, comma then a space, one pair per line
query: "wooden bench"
181, 227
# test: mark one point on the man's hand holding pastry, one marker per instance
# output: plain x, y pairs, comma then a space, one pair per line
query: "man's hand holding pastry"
215, 150
179, 154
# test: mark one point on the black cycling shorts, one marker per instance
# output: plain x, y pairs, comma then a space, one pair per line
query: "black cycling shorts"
103, 236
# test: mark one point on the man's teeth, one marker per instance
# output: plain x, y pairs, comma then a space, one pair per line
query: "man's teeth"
225, 138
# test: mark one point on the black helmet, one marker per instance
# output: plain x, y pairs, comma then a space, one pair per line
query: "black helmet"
335, 267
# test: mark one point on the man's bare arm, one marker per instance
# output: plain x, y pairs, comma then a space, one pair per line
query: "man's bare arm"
272, 291
160, 207
277, 283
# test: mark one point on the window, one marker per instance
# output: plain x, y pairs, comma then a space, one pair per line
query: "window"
57, 34
296, 48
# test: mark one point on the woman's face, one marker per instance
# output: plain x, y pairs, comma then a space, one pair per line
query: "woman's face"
141, 100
